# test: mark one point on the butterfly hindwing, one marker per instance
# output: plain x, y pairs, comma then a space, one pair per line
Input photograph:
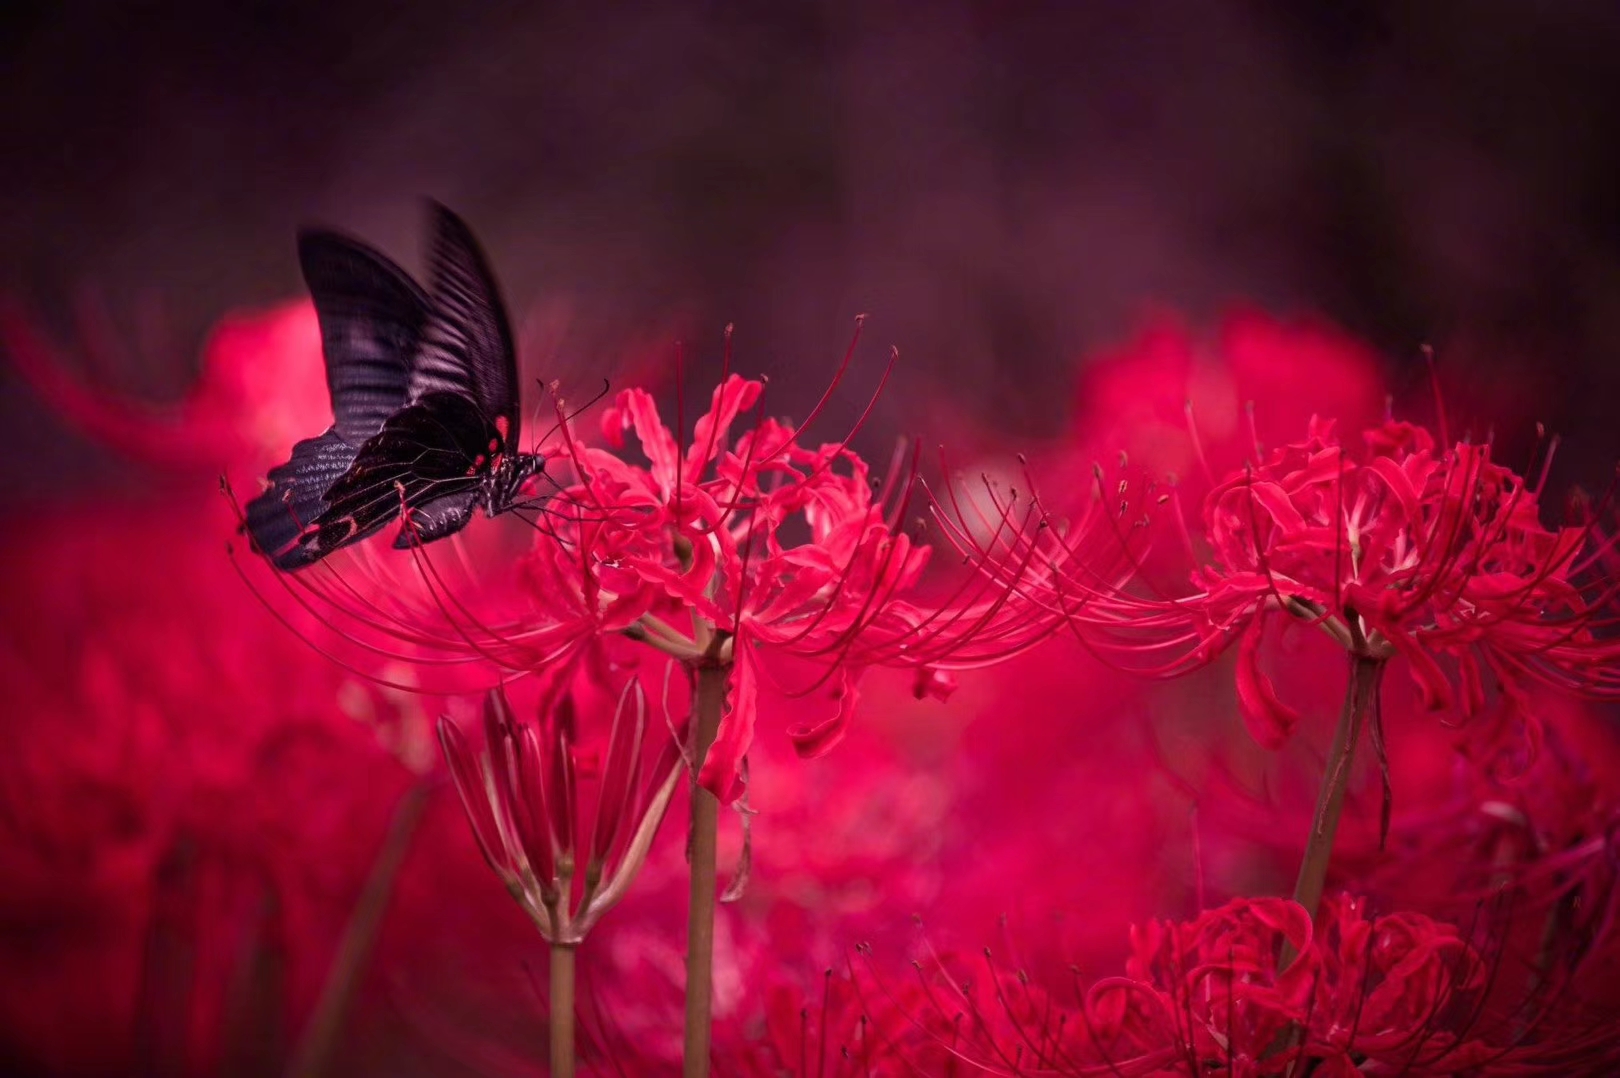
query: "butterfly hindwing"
436, 449
467, 343
372, 316
281, 519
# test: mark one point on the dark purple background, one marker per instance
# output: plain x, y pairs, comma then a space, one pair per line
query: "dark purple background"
1001, 185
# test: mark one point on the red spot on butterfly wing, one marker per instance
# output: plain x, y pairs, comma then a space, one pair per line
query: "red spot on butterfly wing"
348, 525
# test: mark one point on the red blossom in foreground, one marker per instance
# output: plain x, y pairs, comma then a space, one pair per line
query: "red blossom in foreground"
726, 552
1390, 994
522, 798
187, 791
1364, 994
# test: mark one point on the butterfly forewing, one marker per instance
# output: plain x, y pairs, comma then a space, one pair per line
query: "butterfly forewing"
372, 316
467, 344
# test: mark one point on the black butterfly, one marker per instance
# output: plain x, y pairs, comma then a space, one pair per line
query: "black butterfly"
424, 402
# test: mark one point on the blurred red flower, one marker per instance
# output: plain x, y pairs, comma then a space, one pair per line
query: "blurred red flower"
262, 387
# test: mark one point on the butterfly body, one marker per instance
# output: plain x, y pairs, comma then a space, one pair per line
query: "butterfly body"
424, 401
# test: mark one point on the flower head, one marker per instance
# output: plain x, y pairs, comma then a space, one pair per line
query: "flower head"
522, 797
1432, 553
1362, 990
748, 544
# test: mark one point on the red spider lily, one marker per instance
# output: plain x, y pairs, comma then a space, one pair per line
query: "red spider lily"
1140, 403
522, 799
748, 545
731, 550
1392, 994
1410, 551
710, 544
1395, 994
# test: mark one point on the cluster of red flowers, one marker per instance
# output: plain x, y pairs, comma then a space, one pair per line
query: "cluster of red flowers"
739, 548
1353, 993
734, 563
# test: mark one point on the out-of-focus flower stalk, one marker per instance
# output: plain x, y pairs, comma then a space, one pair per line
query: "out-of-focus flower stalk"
320, 1036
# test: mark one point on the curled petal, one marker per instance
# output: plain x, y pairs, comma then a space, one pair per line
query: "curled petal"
656, 440
1275, 501
614, 423
932, 681
721, 772
1270, 721
1400, 484
731, 397
1426, 672
820, 738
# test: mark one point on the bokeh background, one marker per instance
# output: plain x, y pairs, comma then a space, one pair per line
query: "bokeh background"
1009, 190
1001, 186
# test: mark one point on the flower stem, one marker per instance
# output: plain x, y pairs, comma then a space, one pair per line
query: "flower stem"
707, 704
320, 1037
562, 1010
1365, 674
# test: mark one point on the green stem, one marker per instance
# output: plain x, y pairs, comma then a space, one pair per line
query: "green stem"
707, 705
562, 1010
359, 935
1358, 697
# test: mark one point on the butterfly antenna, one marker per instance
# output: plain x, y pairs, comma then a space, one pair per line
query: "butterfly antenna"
236, 506
569, 417
534, 417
